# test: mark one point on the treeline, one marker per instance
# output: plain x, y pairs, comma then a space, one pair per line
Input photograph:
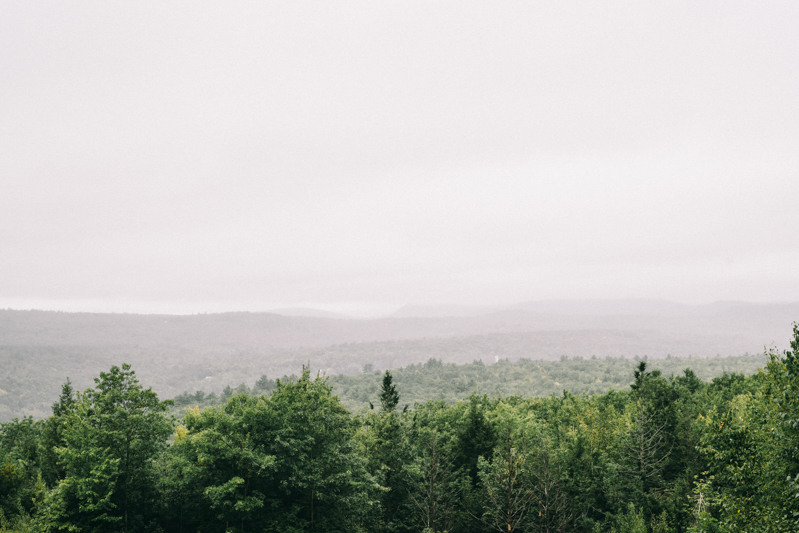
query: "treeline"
32, 375
665, 454
437, 380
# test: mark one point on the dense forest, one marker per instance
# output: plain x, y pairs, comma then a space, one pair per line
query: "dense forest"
664, 454
32, 375
436, 380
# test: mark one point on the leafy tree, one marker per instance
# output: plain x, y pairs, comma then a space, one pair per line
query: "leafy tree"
784, 391
321, 483
506, 480
751, 448
21, 486
745, 467
433, 485
631, 522
227, 452
286, 462
546, 484
181, 504
111, 437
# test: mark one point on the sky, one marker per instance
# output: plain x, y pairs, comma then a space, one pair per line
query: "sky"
198, 156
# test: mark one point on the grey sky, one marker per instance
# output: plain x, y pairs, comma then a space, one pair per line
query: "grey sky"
197, 156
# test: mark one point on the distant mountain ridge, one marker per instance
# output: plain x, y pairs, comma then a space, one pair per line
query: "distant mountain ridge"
752, 324
590, 307
309, 311
440, 311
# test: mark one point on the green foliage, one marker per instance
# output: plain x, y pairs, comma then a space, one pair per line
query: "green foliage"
279, 463
389, 398
650, 439
37, 353
667, 454
390, 454
631, 522
506, 479
21, 486
476, 437
434, 486
321, 477
751, 445
435, 380
222, 457
111, 436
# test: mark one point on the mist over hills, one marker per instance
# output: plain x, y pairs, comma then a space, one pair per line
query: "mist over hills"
601, 307
750, 325
309, 312
174, 353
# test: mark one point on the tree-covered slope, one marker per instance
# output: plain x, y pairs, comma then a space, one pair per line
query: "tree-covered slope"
208, 352
435, 380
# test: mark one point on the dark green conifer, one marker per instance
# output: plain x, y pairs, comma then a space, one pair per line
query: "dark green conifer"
389, 397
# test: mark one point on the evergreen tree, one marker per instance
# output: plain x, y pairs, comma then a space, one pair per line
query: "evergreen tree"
391, 454
476, 437
52, 437
264, 385
650, 441
389, 397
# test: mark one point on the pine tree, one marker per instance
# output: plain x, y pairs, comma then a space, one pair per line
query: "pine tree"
476, 438
389, 397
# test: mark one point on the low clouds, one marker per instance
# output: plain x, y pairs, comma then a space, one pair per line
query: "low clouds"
367, 155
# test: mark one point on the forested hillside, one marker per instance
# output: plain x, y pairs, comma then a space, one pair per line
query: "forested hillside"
664, 454
209, 352
450, 382
435, 380
32, 376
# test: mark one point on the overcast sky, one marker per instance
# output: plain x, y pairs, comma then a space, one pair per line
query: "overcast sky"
197, 157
